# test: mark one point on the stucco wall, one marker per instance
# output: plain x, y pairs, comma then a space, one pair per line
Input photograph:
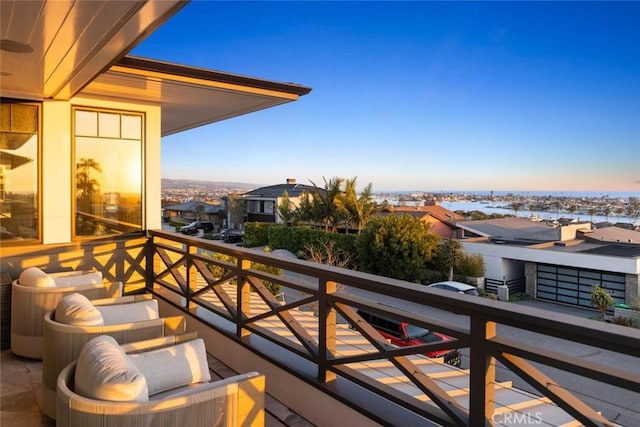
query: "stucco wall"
57, 168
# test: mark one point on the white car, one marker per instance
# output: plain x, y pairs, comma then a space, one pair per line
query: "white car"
461, 288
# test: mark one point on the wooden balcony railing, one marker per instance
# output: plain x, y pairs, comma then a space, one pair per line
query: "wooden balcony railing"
202, 276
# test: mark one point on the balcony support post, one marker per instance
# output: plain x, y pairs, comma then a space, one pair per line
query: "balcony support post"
244, 298
150, 268
191, 280
327, 330
482, 374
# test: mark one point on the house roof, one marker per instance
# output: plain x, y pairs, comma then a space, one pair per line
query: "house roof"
612, 234
192, 206
436, 211
58, 50
512, 229
275, 191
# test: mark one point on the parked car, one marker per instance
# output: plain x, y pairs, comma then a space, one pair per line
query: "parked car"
404, 334
461, 288
193, 227
232, 236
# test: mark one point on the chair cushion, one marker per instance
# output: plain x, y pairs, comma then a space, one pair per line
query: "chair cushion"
76, 309
105, 372
77, 278
182, 364
125, 313
36, 278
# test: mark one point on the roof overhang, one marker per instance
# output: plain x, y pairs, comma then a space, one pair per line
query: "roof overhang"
62, 49
190, 97
53, 49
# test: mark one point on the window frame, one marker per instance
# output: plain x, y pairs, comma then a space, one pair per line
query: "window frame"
74, 181
39, 178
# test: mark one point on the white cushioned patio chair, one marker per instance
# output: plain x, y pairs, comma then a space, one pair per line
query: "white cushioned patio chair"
156, 386
35, 292
76, 320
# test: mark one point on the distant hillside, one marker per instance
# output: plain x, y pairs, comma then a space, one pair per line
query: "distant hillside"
168, 183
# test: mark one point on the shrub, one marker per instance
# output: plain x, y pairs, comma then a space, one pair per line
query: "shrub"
256, 233
397, 246
471, 265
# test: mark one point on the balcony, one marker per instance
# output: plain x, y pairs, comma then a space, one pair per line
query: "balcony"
520, 364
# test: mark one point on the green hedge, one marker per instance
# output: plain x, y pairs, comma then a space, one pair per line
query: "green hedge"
294, 238
257, 233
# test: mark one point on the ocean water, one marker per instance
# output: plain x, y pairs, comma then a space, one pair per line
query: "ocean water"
493, 207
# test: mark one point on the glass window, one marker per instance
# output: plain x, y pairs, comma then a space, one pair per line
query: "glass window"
19, 145
108, 173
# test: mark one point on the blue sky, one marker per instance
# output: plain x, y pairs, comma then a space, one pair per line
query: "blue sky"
418, 96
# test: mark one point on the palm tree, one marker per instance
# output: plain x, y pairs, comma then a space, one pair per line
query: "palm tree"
451, 253
346, 203
516, 207
607, 211
86, 187
324, 208
592, 211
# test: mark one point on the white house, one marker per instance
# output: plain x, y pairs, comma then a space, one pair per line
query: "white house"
559, 264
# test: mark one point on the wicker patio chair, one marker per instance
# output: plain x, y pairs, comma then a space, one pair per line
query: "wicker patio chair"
235, 401
63, 342
30, 302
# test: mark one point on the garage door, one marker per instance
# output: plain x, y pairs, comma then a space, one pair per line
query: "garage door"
573, 286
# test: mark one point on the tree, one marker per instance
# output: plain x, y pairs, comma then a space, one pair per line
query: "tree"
286, 209
355, 208
397, 246
602, 300
87, 190
450, 251
237, 210
324, 202
199, 211
516, 206
607, 211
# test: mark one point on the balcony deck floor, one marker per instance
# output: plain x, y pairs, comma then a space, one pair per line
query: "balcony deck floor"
21, 385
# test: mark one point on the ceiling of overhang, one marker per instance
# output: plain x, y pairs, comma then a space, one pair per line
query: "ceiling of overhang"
52, 49
190, 97
60, 49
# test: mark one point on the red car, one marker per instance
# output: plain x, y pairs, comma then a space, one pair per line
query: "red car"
404, 334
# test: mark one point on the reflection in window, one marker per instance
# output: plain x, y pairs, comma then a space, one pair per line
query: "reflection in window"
108, 172
19, 133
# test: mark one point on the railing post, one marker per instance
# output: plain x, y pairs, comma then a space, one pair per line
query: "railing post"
191, 279
244, 298
482, 374
149, 270
326, 329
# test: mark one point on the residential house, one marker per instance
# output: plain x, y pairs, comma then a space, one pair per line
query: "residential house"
262, 204
194, 211
558, 264
442, 221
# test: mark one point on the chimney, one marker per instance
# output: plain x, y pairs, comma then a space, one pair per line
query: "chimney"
291, 180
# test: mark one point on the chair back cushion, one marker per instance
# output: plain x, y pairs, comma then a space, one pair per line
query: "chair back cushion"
105, 372
36, 278
77, 278
172, 367
76, 309
115, 314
